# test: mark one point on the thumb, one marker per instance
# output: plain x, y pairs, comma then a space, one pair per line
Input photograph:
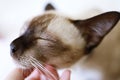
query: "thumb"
65, 75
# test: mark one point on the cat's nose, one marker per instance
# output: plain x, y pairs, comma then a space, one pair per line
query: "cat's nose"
13, 48
16, 47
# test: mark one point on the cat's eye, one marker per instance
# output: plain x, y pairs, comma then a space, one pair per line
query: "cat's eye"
40, 38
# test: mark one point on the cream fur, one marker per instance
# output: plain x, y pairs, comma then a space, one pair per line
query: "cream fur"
104, 61
101, 64
66, 31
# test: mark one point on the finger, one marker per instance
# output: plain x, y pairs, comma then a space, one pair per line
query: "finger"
52, 70
35, 75
65, 75
16, 74
40, 75
26, 72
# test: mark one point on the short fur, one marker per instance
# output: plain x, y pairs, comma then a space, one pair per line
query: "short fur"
71, 44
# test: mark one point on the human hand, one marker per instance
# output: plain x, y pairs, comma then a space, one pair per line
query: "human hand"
19, 74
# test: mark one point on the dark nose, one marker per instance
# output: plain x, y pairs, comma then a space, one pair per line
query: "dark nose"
13, 48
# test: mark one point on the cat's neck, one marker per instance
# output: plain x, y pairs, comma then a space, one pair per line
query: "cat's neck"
80, 71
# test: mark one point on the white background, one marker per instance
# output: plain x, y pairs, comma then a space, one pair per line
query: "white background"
14, 13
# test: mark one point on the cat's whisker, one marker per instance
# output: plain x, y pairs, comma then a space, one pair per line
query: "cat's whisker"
39, 66
35, 66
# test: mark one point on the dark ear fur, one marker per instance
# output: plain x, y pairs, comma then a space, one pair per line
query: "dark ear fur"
95, 28
49, 7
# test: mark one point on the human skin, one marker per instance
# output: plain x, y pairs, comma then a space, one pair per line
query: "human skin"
20, 74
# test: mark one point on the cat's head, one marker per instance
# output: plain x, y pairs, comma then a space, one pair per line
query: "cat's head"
60, 41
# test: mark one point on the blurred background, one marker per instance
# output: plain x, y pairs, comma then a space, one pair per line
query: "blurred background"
14, 14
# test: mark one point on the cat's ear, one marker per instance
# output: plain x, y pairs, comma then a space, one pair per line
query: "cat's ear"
94, 29
49, 7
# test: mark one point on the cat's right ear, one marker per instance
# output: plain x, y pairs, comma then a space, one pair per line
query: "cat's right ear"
49, 7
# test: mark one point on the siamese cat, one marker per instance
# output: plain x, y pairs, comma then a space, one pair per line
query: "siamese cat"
90, 48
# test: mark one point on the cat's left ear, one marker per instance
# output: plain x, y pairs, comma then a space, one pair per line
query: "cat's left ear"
49, 7
94, 29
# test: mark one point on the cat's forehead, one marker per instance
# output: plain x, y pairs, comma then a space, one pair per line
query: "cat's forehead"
44, 19
42, 22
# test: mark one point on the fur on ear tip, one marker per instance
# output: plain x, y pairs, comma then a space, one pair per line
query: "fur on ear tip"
49, 6
115, 13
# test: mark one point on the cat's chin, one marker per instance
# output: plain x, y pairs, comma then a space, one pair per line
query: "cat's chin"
59, 66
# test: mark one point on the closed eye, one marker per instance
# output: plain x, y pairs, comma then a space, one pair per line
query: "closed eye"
40, 38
